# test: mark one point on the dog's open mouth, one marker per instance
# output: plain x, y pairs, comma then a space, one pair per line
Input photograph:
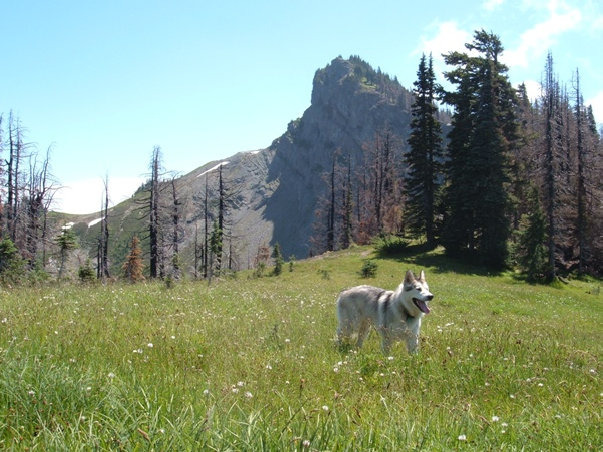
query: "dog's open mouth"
421, 305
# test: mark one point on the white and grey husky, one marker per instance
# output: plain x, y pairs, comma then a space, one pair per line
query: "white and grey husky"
396, 315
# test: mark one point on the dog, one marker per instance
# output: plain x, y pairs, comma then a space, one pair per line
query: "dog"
396, 315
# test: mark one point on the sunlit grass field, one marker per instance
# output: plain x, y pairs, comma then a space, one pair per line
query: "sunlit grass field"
250, 364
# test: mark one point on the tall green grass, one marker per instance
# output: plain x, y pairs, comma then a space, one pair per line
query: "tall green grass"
250, 364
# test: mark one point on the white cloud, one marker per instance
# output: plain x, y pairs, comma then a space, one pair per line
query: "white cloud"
491, 5
86, 195
533, 88
536, 41
448, 37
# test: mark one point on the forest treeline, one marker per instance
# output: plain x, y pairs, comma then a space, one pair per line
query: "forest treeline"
507, 182
499, 180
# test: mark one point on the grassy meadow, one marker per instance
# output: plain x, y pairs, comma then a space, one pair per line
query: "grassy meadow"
250, 364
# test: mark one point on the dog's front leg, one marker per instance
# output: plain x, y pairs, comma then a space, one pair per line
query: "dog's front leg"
386, 340
412, 343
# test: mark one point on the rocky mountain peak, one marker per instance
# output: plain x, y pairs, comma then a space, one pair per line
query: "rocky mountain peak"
275, 191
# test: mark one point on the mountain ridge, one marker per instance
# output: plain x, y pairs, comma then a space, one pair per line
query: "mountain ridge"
273, 192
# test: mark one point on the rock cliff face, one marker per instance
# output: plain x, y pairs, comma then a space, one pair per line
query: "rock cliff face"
351, 103
273, 192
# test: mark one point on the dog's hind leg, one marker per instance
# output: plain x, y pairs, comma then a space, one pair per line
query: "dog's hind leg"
363, 332
341, 335
345, 330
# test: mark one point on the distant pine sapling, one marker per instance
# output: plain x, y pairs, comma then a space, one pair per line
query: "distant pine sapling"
369, 268
278, 260
67, 241
86, 272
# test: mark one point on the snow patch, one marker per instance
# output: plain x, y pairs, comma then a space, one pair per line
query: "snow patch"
68, 226
93, 222
213, 168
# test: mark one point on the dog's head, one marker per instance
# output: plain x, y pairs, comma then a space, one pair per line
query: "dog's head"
416, 294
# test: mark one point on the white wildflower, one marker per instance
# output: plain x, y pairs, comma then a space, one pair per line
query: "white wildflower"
495, 419
150, 345
325, 408
462, 438
249, 395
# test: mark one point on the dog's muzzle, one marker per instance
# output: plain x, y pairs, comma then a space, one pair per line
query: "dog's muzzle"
422, 304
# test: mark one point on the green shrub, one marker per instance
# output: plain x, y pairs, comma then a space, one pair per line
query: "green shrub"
389, 245
12, 266
86, 272
369, 268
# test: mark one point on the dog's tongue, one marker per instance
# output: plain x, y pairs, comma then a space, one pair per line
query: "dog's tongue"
421, 305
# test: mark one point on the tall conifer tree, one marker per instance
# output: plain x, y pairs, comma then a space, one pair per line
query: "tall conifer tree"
484, 129
424, 159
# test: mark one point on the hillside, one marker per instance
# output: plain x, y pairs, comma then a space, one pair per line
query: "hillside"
250, 364
273, 192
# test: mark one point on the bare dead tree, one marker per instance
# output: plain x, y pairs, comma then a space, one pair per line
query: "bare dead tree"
14, 176
154, 213
175, 231
39, 191
102, 267
581, 189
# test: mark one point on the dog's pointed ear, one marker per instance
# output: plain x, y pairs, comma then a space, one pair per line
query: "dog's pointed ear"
409, 278
422, 277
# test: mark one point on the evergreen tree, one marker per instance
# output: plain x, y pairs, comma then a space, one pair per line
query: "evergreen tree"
12, 268
278, 259
67, 241
551, 145
484, 129
424, 159
215, 248
531, 250
86, 272
346, 237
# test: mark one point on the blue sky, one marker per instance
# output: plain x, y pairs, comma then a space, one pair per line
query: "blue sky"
104, 82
